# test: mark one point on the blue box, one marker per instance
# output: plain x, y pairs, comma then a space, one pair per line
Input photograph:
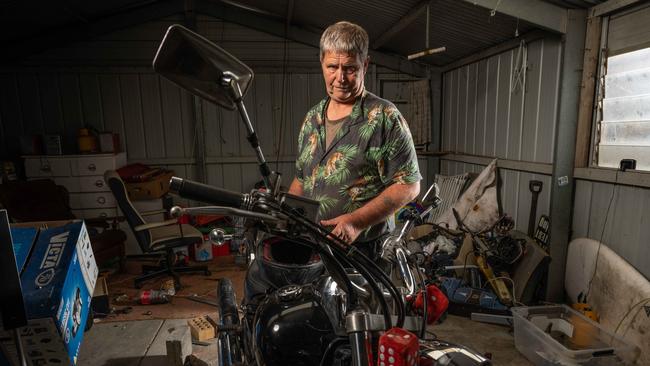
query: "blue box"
58, 279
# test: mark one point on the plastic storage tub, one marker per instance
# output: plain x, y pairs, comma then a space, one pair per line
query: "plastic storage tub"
559, 335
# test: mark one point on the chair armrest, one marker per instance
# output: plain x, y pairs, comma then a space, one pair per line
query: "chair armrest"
155, 225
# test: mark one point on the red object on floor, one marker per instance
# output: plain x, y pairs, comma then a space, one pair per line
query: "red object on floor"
221, 250
398, 347
437, 303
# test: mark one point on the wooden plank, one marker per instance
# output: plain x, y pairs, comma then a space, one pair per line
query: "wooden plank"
587, 91
504, 126
172, 119
548, 103
610, 6
30, 103
135, 141
152, 119
91, 101
532, 97
527, 166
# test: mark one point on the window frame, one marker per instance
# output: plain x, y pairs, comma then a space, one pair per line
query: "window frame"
599, 93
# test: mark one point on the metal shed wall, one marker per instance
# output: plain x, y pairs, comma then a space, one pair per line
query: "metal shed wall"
484, 115
109, 84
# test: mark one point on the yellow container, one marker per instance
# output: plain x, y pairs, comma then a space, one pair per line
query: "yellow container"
87, 142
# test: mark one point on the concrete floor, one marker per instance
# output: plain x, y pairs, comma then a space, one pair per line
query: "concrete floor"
142, 342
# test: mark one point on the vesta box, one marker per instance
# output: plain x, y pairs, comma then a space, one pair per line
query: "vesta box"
58, 277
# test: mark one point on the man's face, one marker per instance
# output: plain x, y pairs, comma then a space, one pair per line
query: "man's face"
343, 74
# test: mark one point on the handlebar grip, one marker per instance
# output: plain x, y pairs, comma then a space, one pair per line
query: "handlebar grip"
204, 193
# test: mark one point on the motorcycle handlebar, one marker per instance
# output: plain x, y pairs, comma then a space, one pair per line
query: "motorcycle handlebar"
204, 193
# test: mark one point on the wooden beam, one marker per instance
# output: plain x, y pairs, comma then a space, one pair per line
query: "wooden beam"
518, 165
540, 13
611, 6
275, 27
405, 21
587, 91
637, 178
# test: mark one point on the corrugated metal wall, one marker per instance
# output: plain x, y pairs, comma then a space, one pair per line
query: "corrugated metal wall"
109, 85
618, 216
484, 115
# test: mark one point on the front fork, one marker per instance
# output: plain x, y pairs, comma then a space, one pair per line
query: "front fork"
229, 338
357, 325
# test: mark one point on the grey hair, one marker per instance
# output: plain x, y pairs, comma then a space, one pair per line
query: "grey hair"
344, 37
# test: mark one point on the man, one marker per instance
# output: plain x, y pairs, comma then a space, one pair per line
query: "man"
356, 153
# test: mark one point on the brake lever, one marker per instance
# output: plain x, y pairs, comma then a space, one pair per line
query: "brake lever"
177, 211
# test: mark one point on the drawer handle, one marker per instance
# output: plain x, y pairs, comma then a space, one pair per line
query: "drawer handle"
99, 183
92, 167
46, 168
101, 200
103, 214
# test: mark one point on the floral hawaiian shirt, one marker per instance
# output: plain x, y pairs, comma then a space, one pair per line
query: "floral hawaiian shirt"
372, 150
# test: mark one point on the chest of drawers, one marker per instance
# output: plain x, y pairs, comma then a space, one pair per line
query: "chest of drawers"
82, 176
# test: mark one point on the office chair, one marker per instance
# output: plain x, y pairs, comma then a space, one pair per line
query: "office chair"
156, 239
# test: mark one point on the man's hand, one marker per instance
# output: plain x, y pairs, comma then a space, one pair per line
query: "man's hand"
344, 228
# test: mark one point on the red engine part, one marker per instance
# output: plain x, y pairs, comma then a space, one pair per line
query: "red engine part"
398, 347
437, 303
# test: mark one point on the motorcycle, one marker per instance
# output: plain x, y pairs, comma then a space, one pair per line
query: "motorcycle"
310, 299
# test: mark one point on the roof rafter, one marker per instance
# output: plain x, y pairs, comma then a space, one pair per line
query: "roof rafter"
540, 13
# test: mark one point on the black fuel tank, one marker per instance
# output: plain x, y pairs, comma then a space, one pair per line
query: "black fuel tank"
292, 328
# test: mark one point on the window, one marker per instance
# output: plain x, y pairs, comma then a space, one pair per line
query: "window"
623, 116
625, 124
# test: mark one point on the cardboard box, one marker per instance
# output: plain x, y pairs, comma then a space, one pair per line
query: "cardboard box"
157, 187
58, 280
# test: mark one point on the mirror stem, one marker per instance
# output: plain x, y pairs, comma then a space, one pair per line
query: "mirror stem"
231, 80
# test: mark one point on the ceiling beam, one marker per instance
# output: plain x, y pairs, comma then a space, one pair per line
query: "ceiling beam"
60, 37
540, 13
298, 34
610, 6
405, 21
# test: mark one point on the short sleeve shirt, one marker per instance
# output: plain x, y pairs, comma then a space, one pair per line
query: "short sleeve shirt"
372, 150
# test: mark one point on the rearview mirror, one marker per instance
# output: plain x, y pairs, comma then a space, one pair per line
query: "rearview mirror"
201, 67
